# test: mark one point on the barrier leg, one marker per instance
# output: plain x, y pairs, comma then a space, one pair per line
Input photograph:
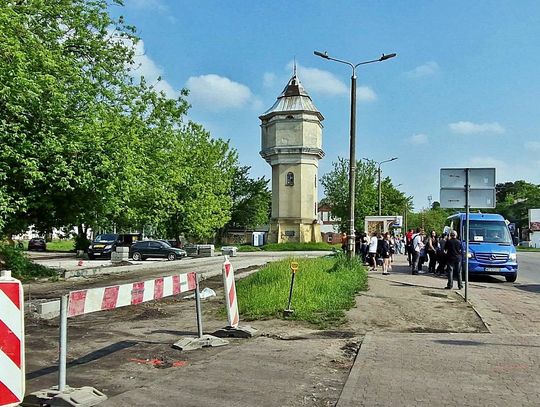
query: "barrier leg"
63, 395
201, 341
233, 330
62, 359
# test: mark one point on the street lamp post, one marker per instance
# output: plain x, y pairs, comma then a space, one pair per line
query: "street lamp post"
352, 149
379, 180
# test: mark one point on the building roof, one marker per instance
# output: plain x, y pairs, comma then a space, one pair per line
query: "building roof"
294, 98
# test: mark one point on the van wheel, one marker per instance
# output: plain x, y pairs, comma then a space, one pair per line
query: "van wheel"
511, 278
137, 256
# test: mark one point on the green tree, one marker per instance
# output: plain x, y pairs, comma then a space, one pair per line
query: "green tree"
85, 143
336, 189
251, 201
514, 199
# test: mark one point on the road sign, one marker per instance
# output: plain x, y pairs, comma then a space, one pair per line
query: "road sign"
454, 188
478, 198
12, 379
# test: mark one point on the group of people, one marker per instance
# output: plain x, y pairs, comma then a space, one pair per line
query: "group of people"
441, 253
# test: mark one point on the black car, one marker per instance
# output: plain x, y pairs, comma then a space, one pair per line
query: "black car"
105, 243
37, 243
155, 248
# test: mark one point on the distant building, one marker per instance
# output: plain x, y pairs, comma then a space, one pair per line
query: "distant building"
329, 225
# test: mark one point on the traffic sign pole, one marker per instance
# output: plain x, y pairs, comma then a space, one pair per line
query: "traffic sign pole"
467, 210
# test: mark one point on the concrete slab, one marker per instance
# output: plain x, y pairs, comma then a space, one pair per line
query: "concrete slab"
445, 370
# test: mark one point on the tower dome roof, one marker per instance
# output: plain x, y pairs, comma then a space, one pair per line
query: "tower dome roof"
294, 98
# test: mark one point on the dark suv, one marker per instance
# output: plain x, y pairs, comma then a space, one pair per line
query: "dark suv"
105, 243
155, 248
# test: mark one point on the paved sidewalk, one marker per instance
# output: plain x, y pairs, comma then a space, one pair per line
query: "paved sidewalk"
412, 369
445, 370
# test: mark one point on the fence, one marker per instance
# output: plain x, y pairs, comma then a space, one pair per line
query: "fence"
106, 298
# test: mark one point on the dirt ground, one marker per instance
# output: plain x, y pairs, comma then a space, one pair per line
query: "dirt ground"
127, 353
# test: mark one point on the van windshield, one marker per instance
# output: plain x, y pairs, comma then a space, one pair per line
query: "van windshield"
489, 231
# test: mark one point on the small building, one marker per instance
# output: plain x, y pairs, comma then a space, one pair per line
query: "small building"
329, 225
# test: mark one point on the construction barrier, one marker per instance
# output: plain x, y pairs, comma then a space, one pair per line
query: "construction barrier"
82, 302
231, 301
12, 378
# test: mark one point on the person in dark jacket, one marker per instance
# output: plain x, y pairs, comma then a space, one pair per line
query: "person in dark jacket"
453, 252
385, 253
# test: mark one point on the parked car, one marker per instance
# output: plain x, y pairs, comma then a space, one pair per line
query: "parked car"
37, 243
155, 249
105, 243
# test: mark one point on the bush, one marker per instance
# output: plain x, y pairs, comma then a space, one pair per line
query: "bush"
21, 268
82, 243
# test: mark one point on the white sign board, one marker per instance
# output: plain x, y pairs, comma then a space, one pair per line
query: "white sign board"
479, 178
481, 187
478, 198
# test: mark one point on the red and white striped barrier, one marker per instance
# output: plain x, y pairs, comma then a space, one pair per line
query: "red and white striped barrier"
230, 293
12, 379
105, 298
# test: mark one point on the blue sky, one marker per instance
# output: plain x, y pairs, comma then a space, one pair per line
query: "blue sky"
464, 90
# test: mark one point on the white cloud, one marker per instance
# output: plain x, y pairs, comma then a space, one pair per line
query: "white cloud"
155, 5
214, 92
418, 139
365, 94
532, 145
319, 81
464, 127
145, 66
427, 69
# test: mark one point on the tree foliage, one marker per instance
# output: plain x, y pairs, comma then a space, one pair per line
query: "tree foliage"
83, 142
336, 189
514, 199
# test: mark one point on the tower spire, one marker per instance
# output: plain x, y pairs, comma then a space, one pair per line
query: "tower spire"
294, 67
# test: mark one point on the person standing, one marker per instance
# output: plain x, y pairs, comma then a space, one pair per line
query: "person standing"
432, 244
453, 251
372, 253
417, 248
408, 246
385, 253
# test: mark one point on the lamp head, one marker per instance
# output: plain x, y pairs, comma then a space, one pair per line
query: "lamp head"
321, 54
387, 56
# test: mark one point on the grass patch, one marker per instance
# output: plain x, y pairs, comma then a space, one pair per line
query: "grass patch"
248, 248
527, 249
61, 245
323, 289
280, 247
21, 268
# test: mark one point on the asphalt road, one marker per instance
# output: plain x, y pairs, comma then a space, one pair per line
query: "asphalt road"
529, 267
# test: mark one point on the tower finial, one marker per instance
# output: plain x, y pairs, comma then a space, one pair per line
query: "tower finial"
294, 66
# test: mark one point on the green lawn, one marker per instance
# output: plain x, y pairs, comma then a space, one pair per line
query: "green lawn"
324, 288
61, 245
319, 246
528, 249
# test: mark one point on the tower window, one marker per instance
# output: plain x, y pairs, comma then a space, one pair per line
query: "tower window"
290, 179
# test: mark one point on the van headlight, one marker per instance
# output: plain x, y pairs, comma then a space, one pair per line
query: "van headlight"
470, 255
513, 256
107, 247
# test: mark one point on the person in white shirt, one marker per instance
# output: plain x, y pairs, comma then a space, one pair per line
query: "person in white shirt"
417, 246
373, 251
